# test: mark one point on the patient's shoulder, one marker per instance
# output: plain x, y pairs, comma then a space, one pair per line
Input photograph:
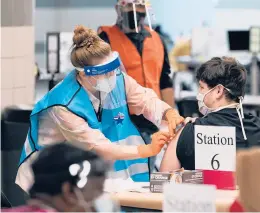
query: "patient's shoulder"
187, 133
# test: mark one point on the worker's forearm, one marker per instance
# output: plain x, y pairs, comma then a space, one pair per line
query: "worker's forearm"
168, 96
117, 152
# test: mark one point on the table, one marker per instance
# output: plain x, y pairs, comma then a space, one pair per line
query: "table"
153, 201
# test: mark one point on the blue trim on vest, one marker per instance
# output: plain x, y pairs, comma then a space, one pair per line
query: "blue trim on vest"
70, 94
142, 177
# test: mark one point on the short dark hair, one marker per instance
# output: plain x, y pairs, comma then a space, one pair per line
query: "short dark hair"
51, 167
226, 71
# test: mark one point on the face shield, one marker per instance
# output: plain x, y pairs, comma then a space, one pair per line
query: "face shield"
134, 14
101, 81
102, 78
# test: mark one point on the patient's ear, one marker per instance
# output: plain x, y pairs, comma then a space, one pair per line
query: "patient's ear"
220, 92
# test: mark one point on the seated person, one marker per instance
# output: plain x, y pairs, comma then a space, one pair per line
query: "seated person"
67, 179
221, 91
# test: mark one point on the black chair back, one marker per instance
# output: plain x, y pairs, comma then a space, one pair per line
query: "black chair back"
5, 203
188, 107
14, 128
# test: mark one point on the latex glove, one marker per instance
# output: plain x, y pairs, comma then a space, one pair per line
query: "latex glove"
174, 119
159, 139
189, 120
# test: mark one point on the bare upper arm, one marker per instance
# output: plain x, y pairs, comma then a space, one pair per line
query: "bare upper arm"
170, 161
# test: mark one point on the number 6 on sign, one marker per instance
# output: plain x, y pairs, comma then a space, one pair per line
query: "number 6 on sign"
215, 161
215, 148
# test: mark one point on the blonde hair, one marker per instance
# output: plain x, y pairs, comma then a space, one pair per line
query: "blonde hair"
87, 47
248, 176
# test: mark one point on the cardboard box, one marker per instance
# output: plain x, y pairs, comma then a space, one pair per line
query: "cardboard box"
158, 179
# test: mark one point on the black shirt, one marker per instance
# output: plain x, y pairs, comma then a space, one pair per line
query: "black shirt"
138, 40
225, 117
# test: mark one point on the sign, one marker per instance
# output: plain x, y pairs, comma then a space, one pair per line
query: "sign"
189, 198
215, 148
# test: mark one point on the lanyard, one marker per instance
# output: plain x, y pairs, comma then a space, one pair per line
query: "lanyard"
240, 113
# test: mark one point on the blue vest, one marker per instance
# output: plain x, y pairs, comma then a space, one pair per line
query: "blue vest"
115, 122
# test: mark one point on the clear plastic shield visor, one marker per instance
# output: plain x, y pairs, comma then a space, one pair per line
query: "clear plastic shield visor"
134, 14
102, 82
103, 77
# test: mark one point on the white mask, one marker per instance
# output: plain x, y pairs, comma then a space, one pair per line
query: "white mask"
204, 110
82, 202
106, 85
103, 203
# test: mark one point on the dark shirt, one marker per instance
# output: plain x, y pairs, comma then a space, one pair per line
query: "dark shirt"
226, 117
138, 40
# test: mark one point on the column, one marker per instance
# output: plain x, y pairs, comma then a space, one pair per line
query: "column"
17, 52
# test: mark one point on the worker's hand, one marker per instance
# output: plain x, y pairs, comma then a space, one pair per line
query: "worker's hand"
189, 120
174, 119
159, 139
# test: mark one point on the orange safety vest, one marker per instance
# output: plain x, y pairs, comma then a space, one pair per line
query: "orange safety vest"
145, 69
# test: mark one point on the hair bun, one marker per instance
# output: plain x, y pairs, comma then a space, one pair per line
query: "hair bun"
84, 36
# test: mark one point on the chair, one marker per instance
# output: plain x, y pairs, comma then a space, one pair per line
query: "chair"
188, 107
5, 203
15, 124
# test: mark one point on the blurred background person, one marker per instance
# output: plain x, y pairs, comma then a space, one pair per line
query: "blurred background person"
68, 179
182, 47
143, 54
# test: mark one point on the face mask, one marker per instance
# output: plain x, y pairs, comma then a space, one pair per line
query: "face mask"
104, 203
204, 110
106, 85
130, 20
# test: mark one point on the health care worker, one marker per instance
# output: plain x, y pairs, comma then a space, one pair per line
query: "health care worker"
90, 108
143, 54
